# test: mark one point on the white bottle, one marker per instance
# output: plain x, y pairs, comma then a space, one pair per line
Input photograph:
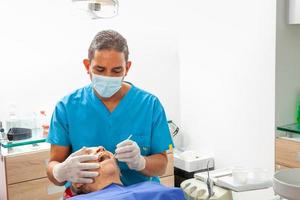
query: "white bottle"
36, 123
12, 117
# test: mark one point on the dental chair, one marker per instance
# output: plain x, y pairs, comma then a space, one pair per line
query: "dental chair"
195, 189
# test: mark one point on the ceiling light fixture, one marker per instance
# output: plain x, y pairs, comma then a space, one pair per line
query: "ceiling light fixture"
98, 8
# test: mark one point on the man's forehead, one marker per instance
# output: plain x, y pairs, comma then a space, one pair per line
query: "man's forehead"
110, 64
108, 54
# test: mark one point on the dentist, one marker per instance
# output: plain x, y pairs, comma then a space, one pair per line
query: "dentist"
105, 113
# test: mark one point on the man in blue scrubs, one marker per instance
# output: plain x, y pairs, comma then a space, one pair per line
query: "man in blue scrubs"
105, 113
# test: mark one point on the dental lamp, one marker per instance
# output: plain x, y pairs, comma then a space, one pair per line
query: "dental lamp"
98, 9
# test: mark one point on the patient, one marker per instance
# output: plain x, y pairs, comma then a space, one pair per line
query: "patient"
109, 186
109, 173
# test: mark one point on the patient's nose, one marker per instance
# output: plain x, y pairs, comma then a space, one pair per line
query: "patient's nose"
100, 149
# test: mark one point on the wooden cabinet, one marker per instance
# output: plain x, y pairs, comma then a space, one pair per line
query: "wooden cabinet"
35, 190
23, 176
287, 152
26, 167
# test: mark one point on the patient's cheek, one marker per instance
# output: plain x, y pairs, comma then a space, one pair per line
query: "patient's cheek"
109, 167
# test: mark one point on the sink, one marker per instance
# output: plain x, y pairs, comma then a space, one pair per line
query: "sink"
287, 183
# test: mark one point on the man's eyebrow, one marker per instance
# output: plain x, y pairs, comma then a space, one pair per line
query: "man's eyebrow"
117, 67
99, 66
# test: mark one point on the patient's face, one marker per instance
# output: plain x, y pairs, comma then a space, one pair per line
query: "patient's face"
109, 171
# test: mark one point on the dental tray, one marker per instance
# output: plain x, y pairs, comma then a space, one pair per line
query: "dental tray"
223, 178
227, 182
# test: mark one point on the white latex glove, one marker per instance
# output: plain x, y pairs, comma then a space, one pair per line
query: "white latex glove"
128, 151
74, 170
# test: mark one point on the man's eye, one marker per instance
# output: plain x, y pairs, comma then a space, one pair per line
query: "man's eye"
117, 70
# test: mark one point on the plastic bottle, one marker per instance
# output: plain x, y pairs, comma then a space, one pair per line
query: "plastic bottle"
12, 117
44, 123
2, 134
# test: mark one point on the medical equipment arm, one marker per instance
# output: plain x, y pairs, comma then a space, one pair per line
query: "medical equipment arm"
72, 168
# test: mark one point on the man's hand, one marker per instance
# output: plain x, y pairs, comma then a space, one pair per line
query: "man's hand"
128, 151
74, 170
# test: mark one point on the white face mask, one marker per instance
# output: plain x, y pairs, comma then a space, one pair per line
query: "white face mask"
106, 86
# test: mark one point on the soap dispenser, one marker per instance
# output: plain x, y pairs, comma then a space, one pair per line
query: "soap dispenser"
298, 111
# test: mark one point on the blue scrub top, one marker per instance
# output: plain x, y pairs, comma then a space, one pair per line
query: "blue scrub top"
81, 119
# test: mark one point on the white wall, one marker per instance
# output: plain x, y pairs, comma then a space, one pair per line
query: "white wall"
287, 67
44, 42
227, 71
225, 100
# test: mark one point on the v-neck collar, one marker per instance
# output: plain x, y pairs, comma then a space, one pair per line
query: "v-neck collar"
120, 106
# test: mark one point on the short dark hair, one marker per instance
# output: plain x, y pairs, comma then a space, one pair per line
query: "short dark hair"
108, 40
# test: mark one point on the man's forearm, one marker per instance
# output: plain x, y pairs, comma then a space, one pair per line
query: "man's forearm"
155, 165
50, 173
